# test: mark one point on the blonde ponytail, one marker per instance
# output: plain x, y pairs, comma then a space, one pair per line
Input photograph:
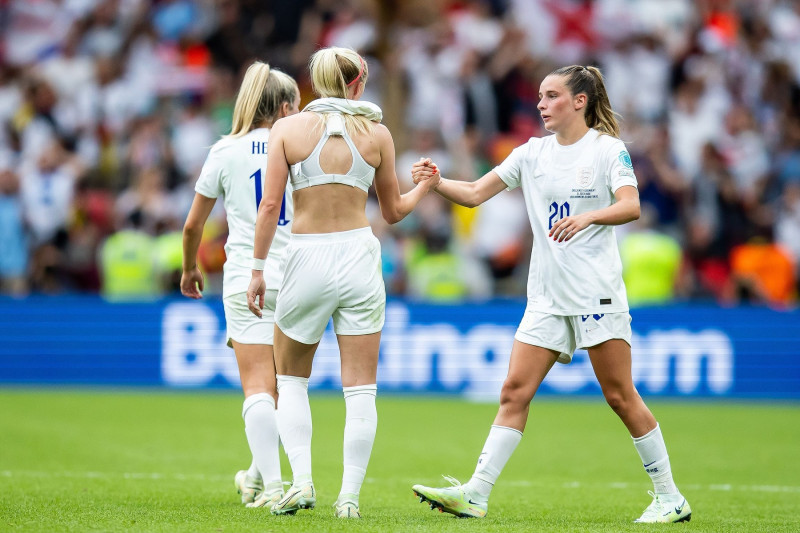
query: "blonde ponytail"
333, 71
598, 113
260, 97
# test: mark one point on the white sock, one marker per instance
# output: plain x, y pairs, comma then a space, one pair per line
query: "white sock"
261, 428
361, 422
499, 446
294, 424
252, 472
655, 460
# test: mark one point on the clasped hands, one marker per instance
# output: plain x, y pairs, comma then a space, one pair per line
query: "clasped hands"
426, 169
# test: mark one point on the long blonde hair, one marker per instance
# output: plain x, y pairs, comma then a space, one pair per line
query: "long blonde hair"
589, 81
333, 71
260, 97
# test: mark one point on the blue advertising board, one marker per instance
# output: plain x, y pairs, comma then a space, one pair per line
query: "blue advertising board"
681, 351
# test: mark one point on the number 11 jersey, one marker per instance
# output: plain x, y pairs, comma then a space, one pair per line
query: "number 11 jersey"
236, 169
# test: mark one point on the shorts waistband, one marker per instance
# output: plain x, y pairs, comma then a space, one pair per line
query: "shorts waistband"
333, 237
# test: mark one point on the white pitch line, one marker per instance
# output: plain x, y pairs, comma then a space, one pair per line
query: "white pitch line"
625, 485
717, 487
112, 475
714, 487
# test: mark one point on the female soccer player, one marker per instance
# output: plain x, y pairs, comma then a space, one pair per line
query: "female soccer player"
235, 169
577, 184
336, 148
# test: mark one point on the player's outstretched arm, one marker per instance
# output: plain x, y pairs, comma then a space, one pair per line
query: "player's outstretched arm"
468, 194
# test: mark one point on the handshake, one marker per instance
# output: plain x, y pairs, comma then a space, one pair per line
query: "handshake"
425, 170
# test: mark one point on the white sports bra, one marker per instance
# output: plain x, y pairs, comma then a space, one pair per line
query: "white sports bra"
308, 172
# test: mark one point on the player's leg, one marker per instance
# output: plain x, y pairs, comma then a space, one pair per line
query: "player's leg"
293, 362
308, 296
358, 321
611, 360
257, 372
359, 356
251, 340
527, 368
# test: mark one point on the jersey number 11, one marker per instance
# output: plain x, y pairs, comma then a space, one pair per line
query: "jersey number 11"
258, 184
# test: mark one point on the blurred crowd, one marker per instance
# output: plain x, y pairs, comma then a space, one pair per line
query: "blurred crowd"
108, 108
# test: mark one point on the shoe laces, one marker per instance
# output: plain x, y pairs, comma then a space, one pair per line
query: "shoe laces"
453, 481
654, 509
462, 491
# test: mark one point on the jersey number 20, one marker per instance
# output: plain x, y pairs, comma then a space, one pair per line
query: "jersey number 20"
557, 212
257, 181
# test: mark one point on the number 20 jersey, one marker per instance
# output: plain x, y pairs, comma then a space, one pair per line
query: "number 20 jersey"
583, 275
236, 169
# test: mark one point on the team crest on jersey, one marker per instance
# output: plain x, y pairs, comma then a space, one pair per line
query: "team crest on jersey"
585, 177
625, 159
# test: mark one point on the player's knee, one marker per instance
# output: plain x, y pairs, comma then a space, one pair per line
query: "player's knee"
617, 400
515, 393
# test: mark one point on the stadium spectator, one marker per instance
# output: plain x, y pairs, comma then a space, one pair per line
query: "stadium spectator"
168, 252
763, 273
787, 225
234, 169
435, 272
744, 153
13, 245
333, 267
577, 184
192, 129
651, 264
47, 190
706, 273
128, 263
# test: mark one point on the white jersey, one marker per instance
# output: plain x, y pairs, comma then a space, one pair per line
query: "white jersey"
236, 169
583, 275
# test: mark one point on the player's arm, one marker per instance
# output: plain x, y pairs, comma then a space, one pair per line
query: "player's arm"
192, 278
269, 211
624, 210
466, 193
395, 206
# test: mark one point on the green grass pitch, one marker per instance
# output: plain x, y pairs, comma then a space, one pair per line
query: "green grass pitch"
160, 461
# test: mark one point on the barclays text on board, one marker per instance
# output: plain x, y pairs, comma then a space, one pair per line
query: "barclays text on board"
470, 359
464, 349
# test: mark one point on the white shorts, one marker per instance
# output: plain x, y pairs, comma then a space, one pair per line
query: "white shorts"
331, 275
243, 326
565, 334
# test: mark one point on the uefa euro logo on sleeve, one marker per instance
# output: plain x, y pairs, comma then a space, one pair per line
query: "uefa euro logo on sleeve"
625, 159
